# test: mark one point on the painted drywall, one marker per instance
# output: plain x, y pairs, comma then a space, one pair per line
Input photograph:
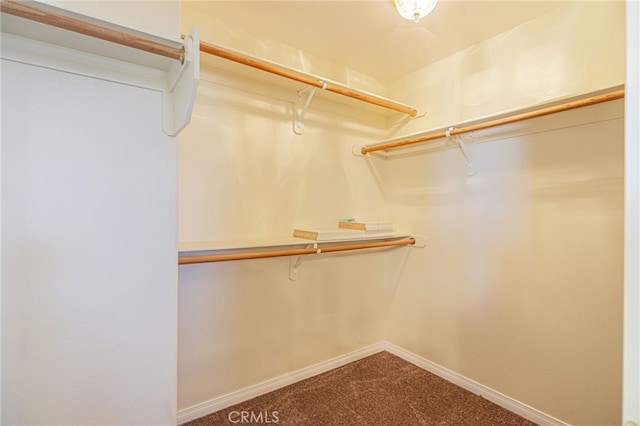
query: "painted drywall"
577, 49
245, 322
89, 273
215, 30
631, 382
158, 18
520, 286
244, 174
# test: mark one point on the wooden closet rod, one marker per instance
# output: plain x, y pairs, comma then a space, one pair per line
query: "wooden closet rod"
274, 69
592, 100
292, 252
25, 10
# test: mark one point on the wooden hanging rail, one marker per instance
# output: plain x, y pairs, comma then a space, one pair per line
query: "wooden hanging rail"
311, 81
183, 260
25, 10
592, 100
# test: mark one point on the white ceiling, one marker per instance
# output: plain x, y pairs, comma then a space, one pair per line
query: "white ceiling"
369, 36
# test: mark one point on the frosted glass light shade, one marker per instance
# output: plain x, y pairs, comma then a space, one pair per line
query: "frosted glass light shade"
415, 10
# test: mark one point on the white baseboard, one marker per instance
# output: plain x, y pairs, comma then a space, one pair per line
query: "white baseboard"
220, 403
245, 394
494, 396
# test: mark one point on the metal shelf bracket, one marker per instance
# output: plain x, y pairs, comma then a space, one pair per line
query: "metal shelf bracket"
295, 262
468, 150
301, 105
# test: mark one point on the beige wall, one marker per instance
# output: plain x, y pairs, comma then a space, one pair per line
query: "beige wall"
245, 322
631, 363
158, 18
206, 16
519, 287
244, 174
576, 49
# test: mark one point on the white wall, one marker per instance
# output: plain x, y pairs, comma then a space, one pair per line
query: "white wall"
89, 274
520, 286
88, 194
631, 383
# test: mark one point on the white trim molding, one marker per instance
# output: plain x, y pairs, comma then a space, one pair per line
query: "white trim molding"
222, 402
517, 407
225, 401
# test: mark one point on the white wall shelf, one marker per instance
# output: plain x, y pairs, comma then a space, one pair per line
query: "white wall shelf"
240, 64
203, 252
65, 41
460, 129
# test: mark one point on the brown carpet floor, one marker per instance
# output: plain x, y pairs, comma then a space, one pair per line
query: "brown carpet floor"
380, 390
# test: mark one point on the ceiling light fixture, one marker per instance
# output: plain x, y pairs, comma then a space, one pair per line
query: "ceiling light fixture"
415, 10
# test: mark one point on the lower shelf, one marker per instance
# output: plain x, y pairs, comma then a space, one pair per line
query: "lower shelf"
205, 252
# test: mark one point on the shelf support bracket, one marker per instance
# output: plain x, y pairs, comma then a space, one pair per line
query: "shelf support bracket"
178, 98
294, 267
470, 152
295, 262
298, 122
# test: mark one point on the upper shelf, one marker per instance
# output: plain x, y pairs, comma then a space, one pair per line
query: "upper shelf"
60, 27
239, 63
515, 116
42, 35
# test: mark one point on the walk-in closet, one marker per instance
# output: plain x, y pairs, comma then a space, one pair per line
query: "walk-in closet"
209, 202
